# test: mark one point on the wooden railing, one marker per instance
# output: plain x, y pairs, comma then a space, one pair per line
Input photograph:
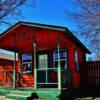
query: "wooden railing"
90, 75
46, 74
7, 77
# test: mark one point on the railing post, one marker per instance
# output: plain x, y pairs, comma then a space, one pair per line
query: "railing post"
59, 67
14, 86
59, 78
6, 76
14, 73
35, 70
46, 75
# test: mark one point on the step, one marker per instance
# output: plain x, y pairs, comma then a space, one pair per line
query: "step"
19, 95
4, 98
48, 94
4, 91
22, 92
52, 95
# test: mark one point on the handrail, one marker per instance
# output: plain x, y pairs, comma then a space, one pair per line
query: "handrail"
46, 68
58, 72
6, 71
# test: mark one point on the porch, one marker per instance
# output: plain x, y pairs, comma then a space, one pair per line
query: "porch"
43, 86
42, 80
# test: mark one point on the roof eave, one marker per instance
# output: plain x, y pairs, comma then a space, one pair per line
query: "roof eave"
78, 42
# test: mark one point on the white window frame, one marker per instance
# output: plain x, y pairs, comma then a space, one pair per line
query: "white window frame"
66, 60
26, 62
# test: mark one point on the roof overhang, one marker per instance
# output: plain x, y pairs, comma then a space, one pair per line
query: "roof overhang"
53, 27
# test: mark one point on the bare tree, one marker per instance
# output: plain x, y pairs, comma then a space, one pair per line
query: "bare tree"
87, 17
9, 8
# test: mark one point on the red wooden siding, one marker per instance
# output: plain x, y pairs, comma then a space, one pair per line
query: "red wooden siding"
90, 74
25, 79
6, 65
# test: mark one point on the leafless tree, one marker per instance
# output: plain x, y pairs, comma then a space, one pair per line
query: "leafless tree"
87, 17
10, 8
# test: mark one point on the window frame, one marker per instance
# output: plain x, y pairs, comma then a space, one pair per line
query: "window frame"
62, 49
26, 72
77, 68
42, 53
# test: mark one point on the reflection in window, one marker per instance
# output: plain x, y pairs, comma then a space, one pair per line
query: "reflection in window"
76, 60
26, 63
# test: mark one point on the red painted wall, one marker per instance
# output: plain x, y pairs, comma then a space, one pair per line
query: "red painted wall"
26, 80
6, 65
46, 39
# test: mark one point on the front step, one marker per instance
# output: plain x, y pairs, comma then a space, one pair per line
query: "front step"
51, 95
29, 95
19, 95
24, 94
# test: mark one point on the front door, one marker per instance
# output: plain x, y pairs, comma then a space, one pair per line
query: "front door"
42, 66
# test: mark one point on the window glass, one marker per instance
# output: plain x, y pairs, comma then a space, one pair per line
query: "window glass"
26, 63
63, 55
55, 55
26, 57
43, 60
76, 60
63, 58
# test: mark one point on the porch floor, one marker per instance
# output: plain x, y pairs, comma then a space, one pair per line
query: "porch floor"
30, 93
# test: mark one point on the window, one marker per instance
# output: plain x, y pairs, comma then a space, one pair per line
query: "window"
26, 63
76, 59
43, 60
63, 58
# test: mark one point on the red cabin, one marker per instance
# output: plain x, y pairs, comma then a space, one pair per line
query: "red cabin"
48, 56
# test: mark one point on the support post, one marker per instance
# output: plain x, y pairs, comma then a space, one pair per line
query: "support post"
35, 70
59, 66
14, 72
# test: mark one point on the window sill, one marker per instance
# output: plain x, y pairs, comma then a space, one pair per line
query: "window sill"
27, 72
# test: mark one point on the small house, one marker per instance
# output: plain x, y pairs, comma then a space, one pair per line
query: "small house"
48, 56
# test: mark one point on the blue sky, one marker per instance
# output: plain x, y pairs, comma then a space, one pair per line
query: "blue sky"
47, 12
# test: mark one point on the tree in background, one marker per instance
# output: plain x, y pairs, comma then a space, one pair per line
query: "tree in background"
87, 18
10, 8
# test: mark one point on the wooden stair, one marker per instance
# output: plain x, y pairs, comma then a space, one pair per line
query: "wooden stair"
19, 95
46, 94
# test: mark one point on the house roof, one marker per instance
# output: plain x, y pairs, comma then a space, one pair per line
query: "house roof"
54, 27
6, 56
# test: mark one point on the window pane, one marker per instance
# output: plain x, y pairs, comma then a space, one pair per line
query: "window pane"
76, 61
63, 64
63, 58
26, 57
26, 67
26, 63
55, 55
43, 61
63, 55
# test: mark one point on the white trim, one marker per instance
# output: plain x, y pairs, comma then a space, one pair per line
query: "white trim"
42, 26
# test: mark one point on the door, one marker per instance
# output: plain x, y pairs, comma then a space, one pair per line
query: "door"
42, 66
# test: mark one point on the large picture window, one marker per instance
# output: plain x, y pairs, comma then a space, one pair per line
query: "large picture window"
26, 63
76, 59
63, 58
